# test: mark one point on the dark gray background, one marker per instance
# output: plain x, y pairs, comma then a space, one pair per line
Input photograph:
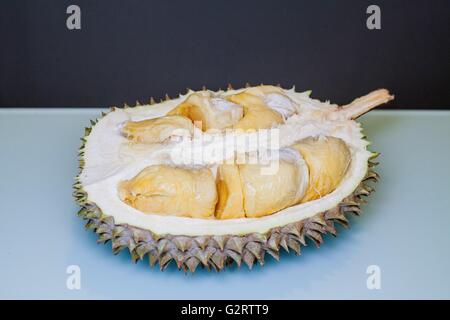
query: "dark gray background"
131, 50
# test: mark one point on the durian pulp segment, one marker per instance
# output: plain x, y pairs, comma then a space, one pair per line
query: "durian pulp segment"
276, 99
167, 190
328, 159
209, 112
231, 197
282, 184
257, 115
109, 160
157, 130
260, 189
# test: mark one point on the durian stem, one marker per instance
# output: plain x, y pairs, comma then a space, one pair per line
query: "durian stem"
364, 104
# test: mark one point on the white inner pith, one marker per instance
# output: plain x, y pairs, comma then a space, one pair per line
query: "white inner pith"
110, 159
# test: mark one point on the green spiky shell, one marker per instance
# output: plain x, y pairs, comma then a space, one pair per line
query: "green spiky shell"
215, 252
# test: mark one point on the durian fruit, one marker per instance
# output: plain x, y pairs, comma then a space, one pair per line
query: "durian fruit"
167, 190
209, 112
328, 159
157, 130
212, 214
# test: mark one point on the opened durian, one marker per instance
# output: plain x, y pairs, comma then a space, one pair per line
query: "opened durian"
195, 180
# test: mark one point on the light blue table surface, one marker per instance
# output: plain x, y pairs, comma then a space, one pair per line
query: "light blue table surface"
405, 229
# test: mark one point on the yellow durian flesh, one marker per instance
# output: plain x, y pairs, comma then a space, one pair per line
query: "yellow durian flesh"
263, 90
240, 190
328, 159
264, 193
275, 98
208, 112
229, 188
257, 115
158, 129
166, 190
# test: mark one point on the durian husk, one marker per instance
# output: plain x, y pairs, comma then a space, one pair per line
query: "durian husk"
216, 252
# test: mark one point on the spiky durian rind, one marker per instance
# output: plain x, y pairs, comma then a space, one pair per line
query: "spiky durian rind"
215, 252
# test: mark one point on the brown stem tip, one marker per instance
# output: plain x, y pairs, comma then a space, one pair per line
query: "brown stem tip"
365, 103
